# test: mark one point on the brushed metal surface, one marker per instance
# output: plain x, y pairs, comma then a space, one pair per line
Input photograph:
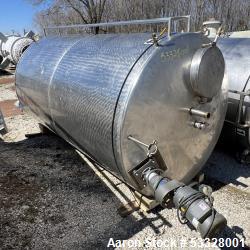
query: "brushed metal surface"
95, 91
34, 74
206, 81
236, 52
150, 106
85, 88
74, 84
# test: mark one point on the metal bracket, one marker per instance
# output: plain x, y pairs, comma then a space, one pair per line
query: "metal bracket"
3, 127
4, 63
242, 95
213, 43
149, 163
3, 38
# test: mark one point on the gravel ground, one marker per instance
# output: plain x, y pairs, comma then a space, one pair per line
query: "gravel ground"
51, 199
6, 92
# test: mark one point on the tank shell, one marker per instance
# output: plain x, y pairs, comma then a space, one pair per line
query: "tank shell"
12, 48
95, 91
236, 54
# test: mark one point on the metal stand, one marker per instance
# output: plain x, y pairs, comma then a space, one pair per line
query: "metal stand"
144, 203
3, 127
238, 123
44, 131
244, 156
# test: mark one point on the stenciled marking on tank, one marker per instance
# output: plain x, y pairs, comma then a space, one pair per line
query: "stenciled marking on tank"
172, 54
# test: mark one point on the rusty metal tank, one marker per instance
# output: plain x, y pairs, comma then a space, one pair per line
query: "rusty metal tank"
109, 95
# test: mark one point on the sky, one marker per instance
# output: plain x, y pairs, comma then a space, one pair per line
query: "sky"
17, 15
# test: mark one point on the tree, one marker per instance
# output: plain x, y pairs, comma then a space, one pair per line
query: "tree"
69, 12
234, 14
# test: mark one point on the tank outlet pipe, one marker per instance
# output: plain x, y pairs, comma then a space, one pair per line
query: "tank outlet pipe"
192, 206
197, 112
200, 113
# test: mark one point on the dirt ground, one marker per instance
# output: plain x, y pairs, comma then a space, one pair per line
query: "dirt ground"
51, 199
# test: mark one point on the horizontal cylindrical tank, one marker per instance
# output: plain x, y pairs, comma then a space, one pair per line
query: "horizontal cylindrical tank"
11, 48
98, 92
236, 52
240, 34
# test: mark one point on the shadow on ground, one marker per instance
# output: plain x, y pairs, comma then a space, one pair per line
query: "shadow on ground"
49, 198
224, 167
5, 72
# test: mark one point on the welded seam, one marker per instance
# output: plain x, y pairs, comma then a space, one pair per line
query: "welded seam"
116, 106
52, 77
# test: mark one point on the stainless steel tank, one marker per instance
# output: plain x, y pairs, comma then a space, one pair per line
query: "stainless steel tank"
110, 95
236, 52
12, 47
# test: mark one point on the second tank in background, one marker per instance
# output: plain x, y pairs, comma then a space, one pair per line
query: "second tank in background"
236, 51
12, 47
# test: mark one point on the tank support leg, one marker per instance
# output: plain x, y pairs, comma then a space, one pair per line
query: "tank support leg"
3, 127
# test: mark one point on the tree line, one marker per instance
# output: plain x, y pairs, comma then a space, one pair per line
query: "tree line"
234, 14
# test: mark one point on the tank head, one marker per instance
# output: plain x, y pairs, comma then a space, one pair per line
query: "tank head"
19, 47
